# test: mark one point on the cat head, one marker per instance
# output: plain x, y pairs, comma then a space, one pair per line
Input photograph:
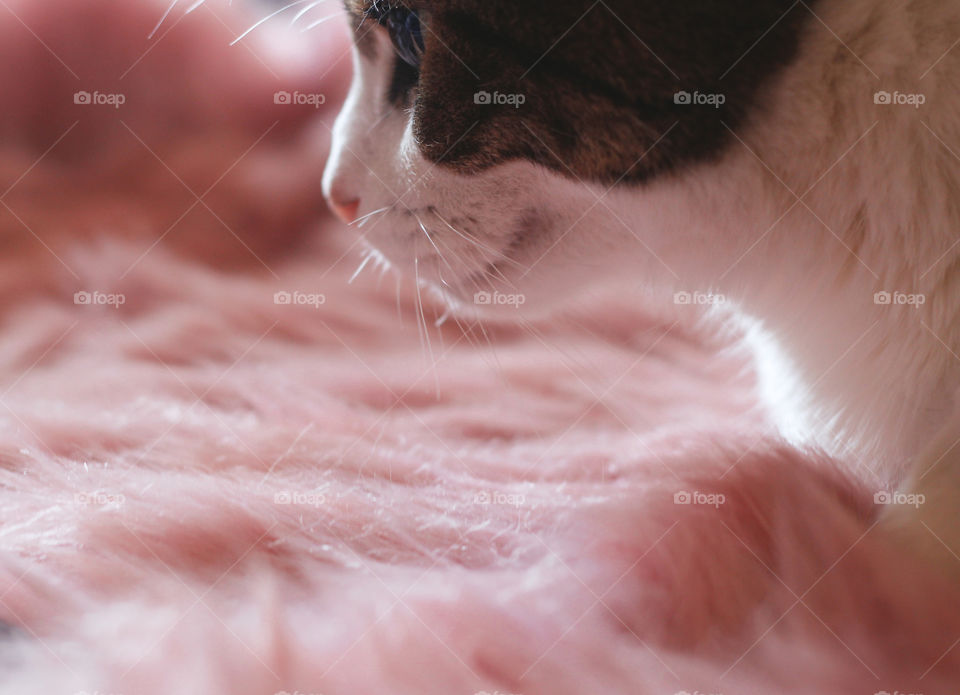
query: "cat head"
492, 146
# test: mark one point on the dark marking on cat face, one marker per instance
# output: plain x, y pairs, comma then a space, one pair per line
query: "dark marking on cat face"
605, 91
402, 82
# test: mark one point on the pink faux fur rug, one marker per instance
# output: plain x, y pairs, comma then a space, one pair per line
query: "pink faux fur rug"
208, 491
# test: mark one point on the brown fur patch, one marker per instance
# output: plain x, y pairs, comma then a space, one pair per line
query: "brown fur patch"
597, 80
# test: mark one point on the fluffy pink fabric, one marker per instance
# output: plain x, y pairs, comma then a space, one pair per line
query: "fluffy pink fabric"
205, 491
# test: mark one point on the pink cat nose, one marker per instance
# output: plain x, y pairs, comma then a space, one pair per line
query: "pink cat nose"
346, 211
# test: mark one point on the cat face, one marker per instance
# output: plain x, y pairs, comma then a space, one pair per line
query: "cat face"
512, 147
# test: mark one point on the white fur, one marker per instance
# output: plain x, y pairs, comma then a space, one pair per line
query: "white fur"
880, 211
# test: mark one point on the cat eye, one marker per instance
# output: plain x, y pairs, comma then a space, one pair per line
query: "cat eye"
404, 27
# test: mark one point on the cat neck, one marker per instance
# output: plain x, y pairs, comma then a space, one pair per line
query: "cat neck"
833, 220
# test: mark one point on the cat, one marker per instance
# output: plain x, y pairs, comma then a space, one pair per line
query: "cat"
799, 159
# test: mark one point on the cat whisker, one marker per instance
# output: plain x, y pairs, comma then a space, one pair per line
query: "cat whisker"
163, 18
447, 314
369, 214
197, 3
384, 267
416, 279
305, 10
422, 328
363, 264
488, 269
478, 323
267, 19
477, 243
317, 23
493, 268
486, 336
435, 248
468, 332
474, 340
444, 260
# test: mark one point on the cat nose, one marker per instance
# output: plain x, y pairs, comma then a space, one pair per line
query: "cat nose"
345, 210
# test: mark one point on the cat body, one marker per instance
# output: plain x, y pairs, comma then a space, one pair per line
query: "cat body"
801, 160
